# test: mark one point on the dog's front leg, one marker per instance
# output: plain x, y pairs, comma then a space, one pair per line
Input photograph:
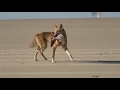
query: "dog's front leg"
69, 54
53, 53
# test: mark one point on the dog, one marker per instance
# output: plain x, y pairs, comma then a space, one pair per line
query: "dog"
41, 41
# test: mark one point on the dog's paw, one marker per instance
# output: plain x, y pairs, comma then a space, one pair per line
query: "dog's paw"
53, 61
35, 60
72, 60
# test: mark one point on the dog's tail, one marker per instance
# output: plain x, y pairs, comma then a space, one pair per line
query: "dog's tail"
34, 43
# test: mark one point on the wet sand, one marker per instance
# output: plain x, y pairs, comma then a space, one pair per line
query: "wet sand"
93, 43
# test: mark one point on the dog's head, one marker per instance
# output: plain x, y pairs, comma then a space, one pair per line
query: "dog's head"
58, 30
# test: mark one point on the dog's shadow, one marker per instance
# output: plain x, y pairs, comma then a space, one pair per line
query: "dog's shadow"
90, 61
99, 62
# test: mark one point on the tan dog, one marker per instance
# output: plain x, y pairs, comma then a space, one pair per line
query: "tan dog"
44, 37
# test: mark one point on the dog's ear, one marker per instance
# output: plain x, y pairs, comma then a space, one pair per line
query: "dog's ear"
61, 26
56, 26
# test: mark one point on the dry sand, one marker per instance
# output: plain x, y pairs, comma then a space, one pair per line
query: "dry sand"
94, 44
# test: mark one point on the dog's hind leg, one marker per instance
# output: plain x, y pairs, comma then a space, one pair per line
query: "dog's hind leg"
43, 47
43, 55
35, 57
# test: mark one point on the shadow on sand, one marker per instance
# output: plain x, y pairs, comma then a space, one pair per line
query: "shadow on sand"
103, 62
90, 61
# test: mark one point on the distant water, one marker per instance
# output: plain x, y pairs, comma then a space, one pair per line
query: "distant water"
53, 15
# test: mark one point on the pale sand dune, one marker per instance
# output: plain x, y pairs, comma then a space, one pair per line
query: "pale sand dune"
94, 44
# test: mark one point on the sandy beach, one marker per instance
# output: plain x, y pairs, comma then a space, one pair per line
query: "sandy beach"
93, 42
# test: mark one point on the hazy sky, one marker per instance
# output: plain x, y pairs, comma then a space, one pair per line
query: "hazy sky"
39, 15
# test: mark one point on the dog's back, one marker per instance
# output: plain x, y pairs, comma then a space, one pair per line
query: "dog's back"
42, 37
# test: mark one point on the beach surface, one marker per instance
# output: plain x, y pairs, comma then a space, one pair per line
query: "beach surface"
93, 42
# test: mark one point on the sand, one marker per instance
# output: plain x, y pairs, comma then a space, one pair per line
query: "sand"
93, 42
